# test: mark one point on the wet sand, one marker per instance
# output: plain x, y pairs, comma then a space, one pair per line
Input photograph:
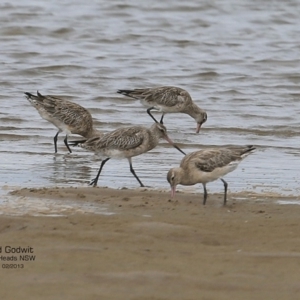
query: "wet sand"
155, 248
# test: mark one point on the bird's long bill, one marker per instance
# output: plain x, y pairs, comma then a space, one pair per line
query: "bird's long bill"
198, 127
173, 191
175, 146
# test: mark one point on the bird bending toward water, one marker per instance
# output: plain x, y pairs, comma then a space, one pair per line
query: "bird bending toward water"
125, 143
207, 165
67, 116
168, 99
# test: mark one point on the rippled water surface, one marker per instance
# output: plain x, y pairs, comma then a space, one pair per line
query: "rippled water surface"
238, 59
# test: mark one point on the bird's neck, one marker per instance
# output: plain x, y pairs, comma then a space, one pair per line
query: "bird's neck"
193, 110
180, 175
154, 137
94, 133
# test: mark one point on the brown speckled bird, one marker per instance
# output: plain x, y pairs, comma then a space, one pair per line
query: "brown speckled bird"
207, 165
125, 143
168, 99
67, 116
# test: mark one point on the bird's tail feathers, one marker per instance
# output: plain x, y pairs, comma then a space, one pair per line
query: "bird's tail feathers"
30, 96
250, 148
247, 150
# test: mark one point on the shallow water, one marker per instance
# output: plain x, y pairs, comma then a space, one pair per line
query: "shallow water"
238, 59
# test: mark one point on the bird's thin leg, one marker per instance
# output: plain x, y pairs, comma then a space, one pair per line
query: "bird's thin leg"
133, 172
55, 141
225, 190
66, 143
149, 113
161, 119
205, 193
95, 180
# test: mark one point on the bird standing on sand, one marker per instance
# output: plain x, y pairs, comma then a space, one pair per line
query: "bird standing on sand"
168, 99
125, 143
207, 165
67, 116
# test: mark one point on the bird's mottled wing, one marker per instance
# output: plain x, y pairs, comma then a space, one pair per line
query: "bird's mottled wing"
121, 139
65, 111
208, 160
72, 114
167, 96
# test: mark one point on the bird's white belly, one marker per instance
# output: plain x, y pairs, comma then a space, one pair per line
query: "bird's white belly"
218, 173
161, 108
60, 125
204, 177
114, 153
63, 127
146, 103
167, 109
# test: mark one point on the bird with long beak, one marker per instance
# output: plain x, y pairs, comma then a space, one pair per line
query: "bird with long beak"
207, 165
125, 142
168, 99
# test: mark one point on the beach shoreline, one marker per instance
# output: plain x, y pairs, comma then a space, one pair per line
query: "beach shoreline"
152, 247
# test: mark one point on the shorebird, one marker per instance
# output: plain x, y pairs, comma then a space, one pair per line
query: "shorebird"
125, 143
168, 99
207, 165
67, 116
